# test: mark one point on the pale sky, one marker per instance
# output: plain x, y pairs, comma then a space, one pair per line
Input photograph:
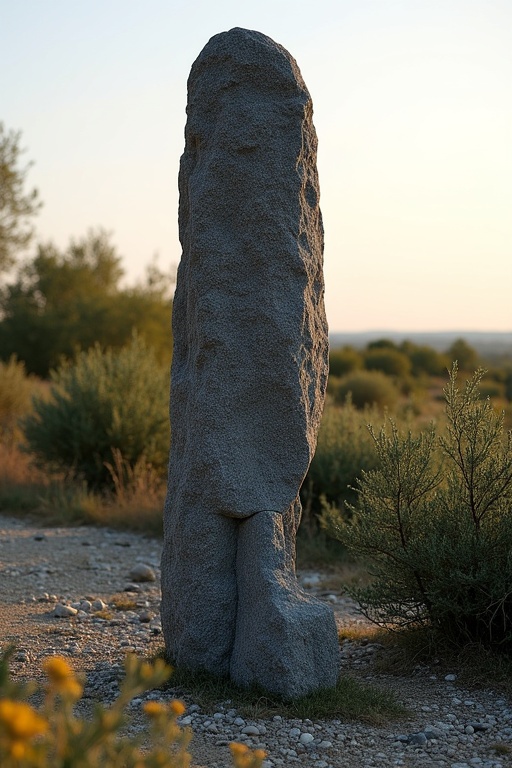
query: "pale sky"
413, 110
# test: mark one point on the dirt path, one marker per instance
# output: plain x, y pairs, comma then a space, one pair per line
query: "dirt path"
43, 567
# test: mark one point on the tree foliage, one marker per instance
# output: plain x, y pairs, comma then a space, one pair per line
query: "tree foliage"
425, 360
17, 206
434, 522
464, 354
65, 301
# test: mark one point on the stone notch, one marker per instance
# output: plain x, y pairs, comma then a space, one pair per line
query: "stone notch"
249, 373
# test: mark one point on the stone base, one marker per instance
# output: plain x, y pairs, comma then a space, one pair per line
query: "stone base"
199, 591
285, 640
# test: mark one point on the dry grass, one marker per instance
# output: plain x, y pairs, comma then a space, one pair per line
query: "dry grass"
138, 512
135, 504
346, 574
123, 603
501, 749
22, 485
359, 633
348, 700
17, 468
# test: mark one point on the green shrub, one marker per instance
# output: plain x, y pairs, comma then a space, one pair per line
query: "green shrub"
344, 360
15, 396
104, 402
344, 449
392, 362
425, 360
367, 388
381, 344
434, 521
465, 356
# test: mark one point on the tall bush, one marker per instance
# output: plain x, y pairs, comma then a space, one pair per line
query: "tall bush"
105, 402
434, 521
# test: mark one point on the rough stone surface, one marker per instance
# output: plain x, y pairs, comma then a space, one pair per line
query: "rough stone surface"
250, 365
285, 639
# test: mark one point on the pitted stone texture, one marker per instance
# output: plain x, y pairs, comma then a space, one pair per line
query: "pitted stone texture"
286, 640
250, 357
199, 592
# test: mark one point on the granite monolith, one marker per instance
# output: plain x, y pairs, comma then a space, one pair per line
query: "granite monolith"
249, 373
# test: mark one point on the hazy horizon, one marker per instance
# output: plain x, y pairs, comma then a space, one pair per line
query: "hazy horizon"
422, 331
413, 113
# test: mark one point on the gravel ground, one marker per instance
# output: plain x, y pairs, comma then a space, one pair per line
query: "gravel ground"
65, 591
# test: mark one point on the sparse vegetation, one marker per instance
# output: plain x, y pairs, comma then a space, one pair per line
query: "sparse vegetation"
349, 700
18, 205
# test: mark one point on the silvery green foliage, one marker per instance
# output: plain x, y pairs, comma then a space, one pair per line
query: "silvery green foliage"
434, 522
104, 402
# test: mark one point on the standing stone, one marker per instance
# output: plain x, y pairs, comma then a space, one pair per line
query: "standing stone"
249, 373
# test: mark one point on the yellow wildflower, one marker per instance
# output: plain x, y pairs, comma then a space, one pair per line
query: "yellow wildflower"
57, 669
154, 708
20, 722
238, 749
177, 707
243, 757
62, 678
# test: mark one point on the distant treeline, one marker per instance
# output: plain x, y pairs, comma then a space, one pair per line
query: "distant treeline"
383, 370
490, 345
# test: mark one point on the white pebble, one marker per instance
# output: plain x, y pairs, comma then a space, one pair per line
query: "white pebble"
142, 572
64, 611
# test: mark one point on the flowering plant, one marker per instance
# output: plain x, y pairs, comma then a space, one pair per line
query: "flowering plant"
52, 736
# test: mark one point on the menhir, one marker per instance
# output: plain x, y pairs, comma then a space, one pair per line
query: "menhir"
249, 374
